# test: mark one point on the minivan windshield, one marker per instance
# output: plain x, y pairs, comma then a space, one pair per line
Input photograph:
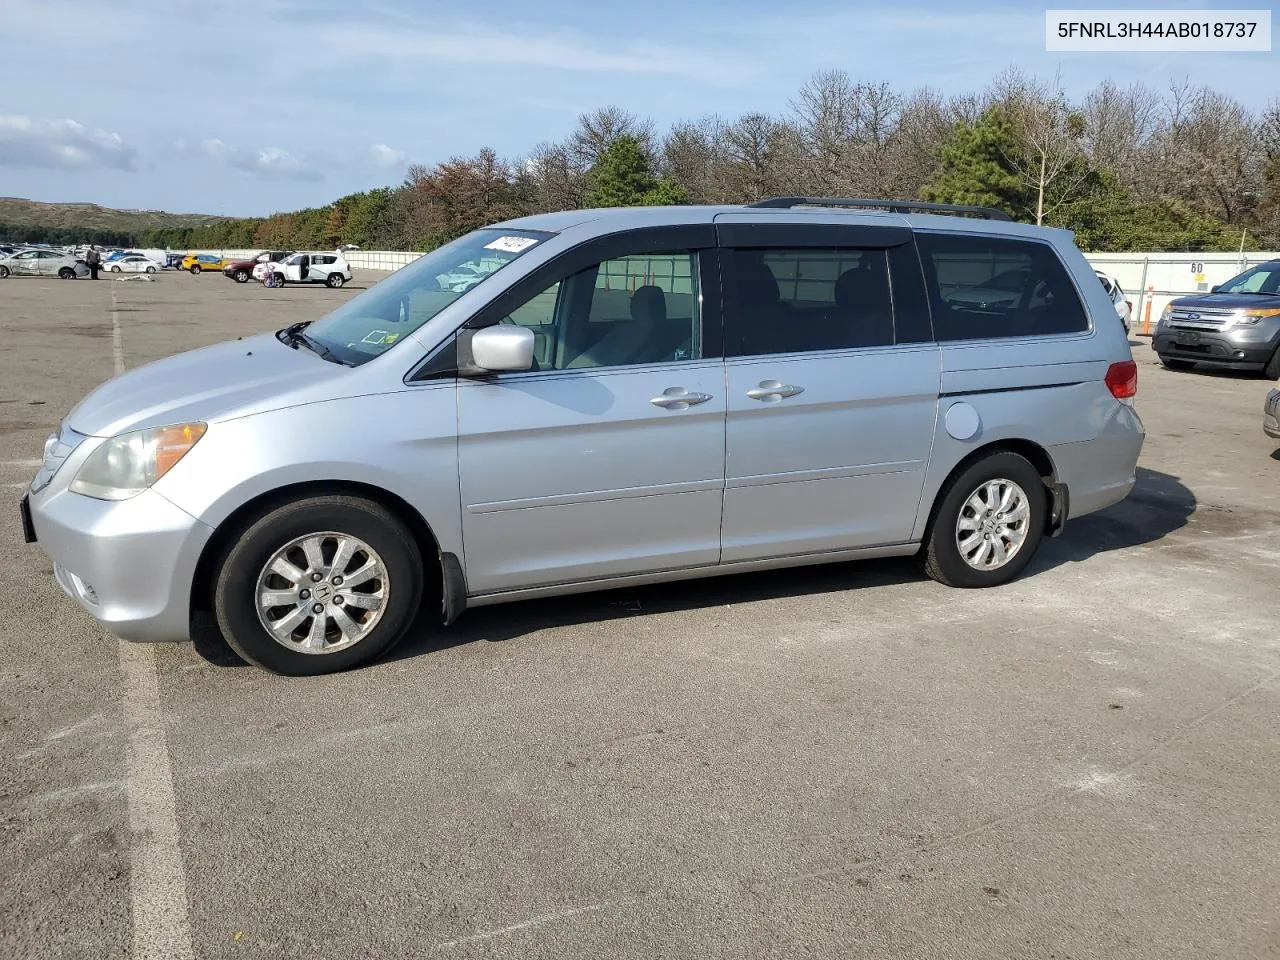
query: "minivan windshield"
378, 319
1263, 279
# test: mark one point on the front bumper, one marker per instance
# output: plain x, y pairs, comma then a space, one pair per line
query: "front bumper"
1271, 415
1218, 348
129, 563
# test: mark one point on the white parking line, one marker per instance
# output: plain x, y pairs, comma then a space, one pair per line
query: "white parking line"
157, 879
20, 463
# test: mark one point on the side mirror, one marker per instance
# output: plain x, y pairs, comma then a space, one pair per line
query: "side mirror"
1215, 288
497, 349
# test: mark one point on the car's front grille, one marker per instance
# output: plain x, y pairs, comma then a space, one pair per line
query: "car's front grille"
56, 450
1195, 318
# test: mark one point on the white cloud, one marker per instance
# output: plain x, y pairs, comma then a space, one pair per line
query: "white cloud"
61, 145
270, 163
387, 158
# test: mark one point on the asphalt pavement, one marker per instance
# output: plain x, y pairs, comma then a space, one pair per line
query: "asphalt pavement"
842, 761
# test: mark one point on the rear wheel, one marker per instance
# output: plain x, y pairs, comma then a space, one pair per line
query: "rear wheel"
1171, 364
335, 280
4, 272
319, 585
195, 268
66, 273
988, 523
151, 269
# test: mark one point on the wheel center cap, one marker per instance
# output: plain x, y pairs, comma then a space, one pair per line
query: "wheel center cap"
321, 592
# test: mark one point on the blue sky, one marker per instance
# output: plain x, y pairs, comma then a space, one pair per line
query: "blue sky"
261, 105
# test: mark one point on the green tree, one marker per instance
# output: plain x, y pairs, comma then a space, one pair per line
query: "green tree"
976, 169
623, 177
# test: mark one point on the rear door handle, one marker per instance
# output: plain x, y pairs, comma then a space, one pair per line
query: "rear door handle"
771, 391
678, 398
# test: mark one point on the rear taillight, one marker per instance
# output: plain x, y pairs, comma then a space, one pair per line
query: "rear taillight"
1122, 379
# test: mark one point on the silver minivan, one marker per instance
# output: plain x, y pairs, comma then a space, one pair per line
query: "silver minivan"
611, 397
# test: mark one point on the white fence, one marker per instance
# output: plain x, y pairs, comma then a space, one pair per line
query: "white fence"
1150, 280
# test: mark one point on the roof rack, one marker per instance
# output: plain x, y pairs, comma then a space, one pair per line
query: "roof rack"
896, 206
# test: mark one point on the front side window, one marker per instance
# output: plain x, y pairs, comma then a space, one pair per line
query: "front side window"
982, 287
630, 310
807, 298
372, 323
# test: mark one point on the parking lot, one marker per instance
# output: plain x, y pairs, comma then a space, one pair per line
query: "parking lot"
845, 761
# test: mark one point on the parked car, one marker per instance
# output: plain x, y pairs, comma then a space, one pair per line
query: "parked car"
600, 410
174, 260
331, 269
1124, 307
42, 263
242, 270
199, 262
1236, 325
133, 263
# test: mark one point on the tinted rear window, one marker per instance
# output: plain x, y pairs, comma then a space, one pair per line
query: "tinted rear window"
807, 298
983, 287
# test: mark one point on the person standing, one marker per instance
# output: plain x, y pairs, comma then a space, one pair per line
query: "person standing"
94, 259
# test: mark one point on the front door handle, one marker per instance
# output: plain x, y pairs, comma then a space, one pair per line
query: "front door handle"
771, 391
678, 398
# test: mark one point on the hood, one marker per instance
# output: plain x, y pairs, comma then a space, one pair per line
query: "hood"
214, 383
1227, 301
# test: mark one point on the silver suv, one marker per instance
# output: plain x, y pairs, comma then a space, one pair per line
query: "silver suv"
614, 397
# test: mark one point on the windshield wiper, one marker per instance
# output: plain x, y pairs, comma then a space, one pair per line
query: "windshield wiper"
294, 337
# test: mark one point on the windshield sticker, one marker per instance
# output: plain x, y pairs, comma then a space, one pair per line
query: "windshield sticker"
376, 338
511, 244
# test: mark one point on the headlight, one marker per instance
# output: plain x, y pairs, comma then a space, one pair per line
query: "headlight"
127, 464
1255, 317
1165, 315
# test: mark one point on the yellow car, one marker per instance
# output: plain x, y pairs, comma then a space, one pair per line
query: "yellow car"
199, 262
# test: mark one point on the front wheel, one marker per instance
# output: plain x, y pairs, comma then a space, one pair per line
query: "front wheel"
988, 523
1272, 370
1171, 364
335, 280
195, 268
242, 276
319, 585
115, 269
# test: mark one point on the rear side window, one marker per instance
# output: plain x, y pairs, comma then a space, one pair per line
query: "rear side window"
982, 287
807, 298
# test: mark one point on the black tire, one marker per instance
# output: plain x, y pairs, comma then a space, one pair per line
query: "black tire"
4, 272
940, 556
151, 269
335, 280
66, 273
195, 268
1272, 370
115, 269
241, 276
1171, 364
237, 579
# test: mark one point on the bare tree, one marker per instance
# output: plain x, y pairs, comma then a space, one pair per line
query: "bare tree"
694, 156
551, 178
1118, 126
601, 127
1050, 136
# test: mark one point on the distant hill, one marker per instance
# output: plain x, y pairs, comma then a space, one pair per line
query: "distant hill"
16, 212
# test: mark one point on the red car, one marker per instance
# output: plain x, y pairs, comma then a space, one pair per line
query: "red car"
242, 270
